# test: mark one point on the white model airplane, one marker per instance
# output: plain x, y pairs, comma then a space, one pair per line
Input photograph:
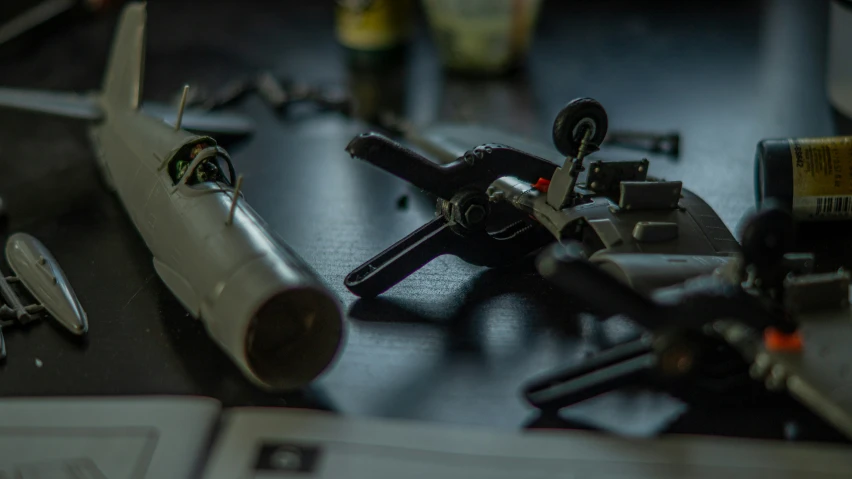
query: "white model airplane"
259, 301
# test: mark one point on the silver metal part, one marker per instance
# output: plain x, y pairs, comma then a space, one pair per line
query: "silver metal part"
41, 275
650, 195
519, 194
816, 292
654, 231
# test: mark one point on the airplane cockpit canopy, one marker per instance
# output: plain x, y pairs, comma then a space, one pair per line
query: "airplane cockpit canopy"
201, 161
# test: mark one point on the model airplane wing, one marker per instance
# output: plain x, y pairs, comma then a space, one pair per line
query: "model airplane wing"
69, 105
85, 107
201, 121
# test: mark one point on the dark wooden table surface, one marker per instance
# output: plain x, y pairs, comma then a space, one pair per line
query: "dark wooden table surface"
453, 343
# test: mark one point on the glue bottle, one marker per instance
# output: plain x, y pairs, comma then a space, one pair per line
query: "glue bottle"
812, 177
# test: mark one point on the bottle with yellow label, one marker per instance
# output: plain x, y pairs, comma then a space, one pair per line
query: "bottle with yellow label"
374, 32
810, 176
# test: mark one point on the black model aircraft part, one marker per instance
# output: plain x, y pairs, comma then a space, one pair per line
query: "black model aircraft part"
619, 208
678, 317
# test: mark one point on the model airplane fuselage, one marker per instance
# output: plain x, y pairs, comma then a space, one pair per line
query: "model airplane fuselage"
258, 300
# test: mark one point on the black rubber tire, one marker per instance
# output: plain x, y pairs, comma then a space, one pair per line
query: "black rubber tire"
581, 110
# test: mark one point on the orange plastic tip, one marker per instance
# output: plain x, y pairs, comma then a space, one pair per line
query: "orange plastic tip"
775, 340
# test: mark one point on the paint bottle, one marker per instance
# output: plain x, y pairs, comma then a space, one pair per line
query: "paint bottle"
812, 177
374, 33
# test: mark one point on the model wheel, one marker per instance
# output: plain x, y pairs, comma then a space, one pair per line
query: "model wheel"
574, 120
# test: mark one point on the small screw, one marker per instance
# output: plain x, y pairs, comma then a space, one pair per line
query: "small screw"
640, 169
594, 184
598, 170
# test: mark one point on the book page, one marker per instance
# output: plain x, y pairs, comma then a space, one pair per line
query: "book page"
278, 443
112, 438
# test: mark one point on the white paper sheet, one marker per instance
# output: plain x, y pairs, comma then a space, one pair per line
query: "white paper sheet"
113, 438
276, 443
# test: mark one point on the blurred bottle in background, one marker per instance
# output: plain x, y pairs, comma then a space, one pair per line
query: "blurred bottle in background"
840, 57
374, 33
482, 36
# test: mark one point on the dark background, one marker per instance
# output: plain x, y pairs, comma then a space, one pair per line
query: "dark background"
454, 342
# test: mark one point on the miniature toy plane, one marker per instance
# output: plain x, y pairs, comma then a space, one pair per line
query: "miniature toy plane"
41, 275
258, 300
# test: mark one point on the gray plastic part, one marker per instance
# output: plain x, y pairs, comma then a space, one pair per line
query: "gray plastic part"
816, 292
44, 279
799, 263
258, 300
607, 232
700, 231
654, 231
12, 300
820, 375
650, 195
648, 272
604, 177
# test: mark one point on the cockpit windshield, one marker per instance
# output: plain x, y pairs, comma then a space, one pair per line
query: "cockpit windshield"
213, 165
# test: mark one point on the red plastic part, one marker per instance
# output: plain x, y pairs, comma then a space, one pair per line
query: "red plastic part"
542, 185
777, 341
